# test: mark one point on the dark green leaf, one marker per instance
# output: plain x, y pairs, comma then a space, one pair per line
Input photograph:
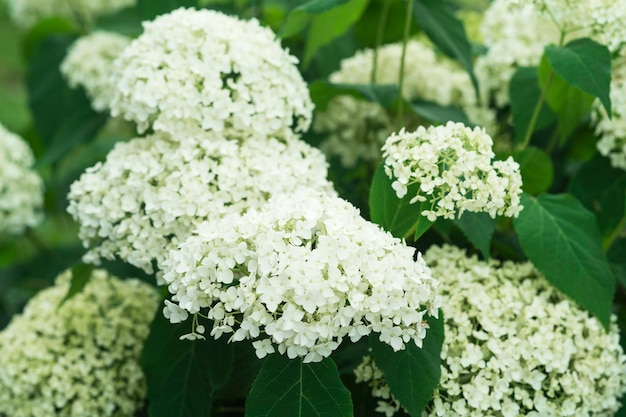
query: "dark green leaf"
331, 24
567, 102
562, 240
183, 375
149, 9
536, 169
585, 64
243, 375
478, 228
323, 91
446, 31
412, 373
602, 189
300, 16
395, 215
81, 274
42, 30
437, 113
289, 388
617, 258
524, 92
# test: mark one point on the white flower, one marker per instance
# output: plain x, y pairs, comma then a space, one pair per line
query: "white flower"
300, 274
151, 193
453, 166
80, 358
201, 68
515, 346
21, 188
26, 13
89, 62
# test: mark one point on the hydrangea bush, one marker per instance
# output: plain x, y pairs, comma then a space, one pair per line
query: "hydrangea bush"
267, 272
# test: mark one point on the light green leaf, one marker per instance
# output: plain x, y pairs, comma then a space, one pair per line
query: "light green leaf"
81, 274
323, 91
183, 375
585, 64
478, 228
561, 238
290, 388
395, 215
300, 16
412, 373
437, 113
524, 92
536, 169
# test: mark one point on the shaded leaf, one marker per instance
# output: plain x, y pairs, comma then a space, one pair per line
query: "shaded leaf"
524, 93
323, 91
81, 274
561, 238
617, 259
290, 388
536, 169
149, 9
437, 113
299, 17
478, 228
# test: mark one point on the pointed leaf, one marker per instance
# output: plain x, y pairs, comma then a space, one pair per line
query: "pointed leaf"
300, 16
524, 92
81, 274
585, 64
437, 113
536, 169
412, 373
478, 228
561, 238
395, 215
290, 388
183, 375
323, 91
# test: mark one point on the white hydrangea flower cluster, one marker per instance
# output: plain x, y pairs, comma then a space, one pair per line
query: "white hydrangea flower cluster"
204, 69
89, 64
27, 13
602, 20
356, 129
515, 346
612, 131
80, 358
152, 192
454, 169
299, 275
511, 45
21, 188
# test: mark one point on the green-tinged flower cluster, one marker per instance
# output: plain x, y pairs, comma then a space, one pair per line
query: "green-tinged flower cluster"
81, 357
515, 346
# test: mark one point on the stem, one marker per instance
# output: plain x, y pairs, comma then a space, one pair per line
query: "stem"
535, 116
382, 24
608, 241
407, 31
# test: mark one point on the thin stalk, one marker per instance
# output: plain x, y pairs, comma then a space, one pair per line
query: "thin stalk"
608, 241
535, 116
407, 31
382, 25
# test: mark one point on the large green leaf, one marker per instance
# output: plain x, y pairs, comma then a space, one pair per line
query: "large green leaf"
478, 228
395, 215
412, 373
331, 24
63, 116
149, 9
300, 16
446, 31
561, 238
536, 169
602, 189
183, 375
323, 91
585, 64
524, 92
290, 388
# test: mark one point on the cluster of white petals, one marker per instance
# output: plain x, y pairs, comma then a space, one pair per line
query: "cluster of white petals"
78, 358
204, 69
515, 346
453, 167
510, 45
89, 64
356, 129
612, 130
21, 188
299, 275
27, 13
152, 192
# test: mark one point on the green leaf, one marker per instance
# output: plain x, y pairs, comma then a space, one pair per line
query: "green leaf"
561, 238
323, 91
602, 189
536, 169
81, 274
478, 228
617, 259
585, 64
437, 113
243, 375
569, 103
524, 93
63, 116
44, 29
412, 373
149, 9
395, 215
300, 16
331, 24
183, 375
446, 31
290, 388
